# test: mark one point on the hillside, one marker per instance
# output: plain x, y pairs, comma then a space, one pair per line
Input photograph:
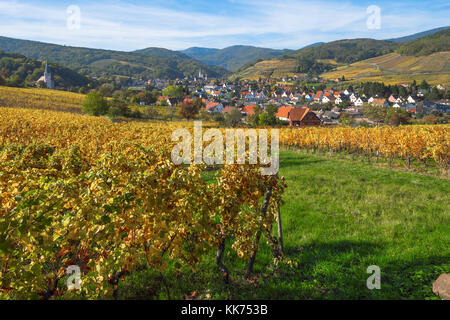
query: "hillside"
233, 58
394, 68
199, 53
366, 59
438, 42
275, 68
316, 59
160, 63
18, 70
346, 51
417, 35
34, 98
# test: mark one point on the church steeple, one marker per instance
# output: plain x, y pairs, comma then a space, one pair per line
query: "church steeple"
46, 67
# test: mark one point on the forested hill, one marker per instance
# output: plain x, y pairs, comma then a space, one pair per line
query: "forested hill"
438, 42
234, 57
347, 51
20, 71
97, 62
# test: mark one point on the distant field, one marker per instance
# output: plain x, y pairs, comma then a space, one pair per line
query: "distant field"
34, 98
268, 69
394, 68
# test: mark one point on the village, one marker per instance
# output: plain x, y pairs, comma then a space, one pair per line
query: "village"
304, 103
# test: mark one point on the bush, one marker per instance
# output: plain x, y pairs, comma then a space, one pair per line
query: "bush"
151, 113
118, 108
95, 104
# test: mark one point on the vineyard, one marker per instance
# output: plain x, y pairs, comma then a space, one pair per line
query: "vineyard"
412, 143
33, 98
84, 191
106, 197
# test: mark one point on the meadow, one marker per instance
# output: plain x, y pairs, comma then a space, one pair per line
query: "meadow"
339, 218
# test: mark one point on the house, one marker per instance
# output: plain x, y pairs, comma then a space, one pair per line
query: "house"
174, 101
393, 99
331, 115
400, 100
360, 102
379, 102
261, 96
283, 113
353, 98
303, 117
308, 96
328, 98
318, 96
413, 99
249, 110
229, 109
214, 107
422, 92
398, 105
341, 98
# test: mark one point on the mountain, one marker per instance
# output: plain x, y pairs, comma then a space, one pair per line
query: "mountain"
346, 51
152, 63
233, 58
437, 42
314, 45
418, 35
163, 53
341, 58
20, 71
199, 53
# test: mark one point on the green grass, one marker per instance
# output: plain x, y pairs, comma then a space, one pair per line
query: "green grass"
339, 218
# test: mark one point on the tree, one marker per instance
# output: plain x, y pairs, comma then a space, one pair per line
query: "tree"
424, 85
253, 120
95, 104
41, 84
397, 116
189, 110
2, 81
118, 108
434, 95
173, 92
269, 118
233, 118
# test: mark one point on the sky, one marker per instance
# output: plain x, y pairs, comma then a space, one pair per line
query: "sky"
180, 24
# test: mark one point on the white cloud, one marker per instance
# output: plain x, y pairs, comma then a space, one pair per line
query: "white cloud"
124, 26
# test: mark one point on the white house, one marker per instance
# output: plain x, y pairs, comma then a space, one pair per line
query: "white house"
360, 102
412, 100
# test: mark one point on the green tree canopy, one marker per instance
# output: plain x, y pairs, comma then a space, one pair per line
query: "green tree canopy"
95, 104
173, 92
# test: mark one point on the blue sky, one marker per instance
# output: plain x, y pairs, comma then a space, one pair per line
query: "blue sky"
179, 24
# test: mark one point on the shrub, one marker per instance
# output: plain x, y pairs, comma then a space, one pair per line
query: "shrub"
95, 104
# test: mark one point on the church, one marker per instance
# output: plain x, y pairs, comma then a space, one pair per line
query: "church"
46, 78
